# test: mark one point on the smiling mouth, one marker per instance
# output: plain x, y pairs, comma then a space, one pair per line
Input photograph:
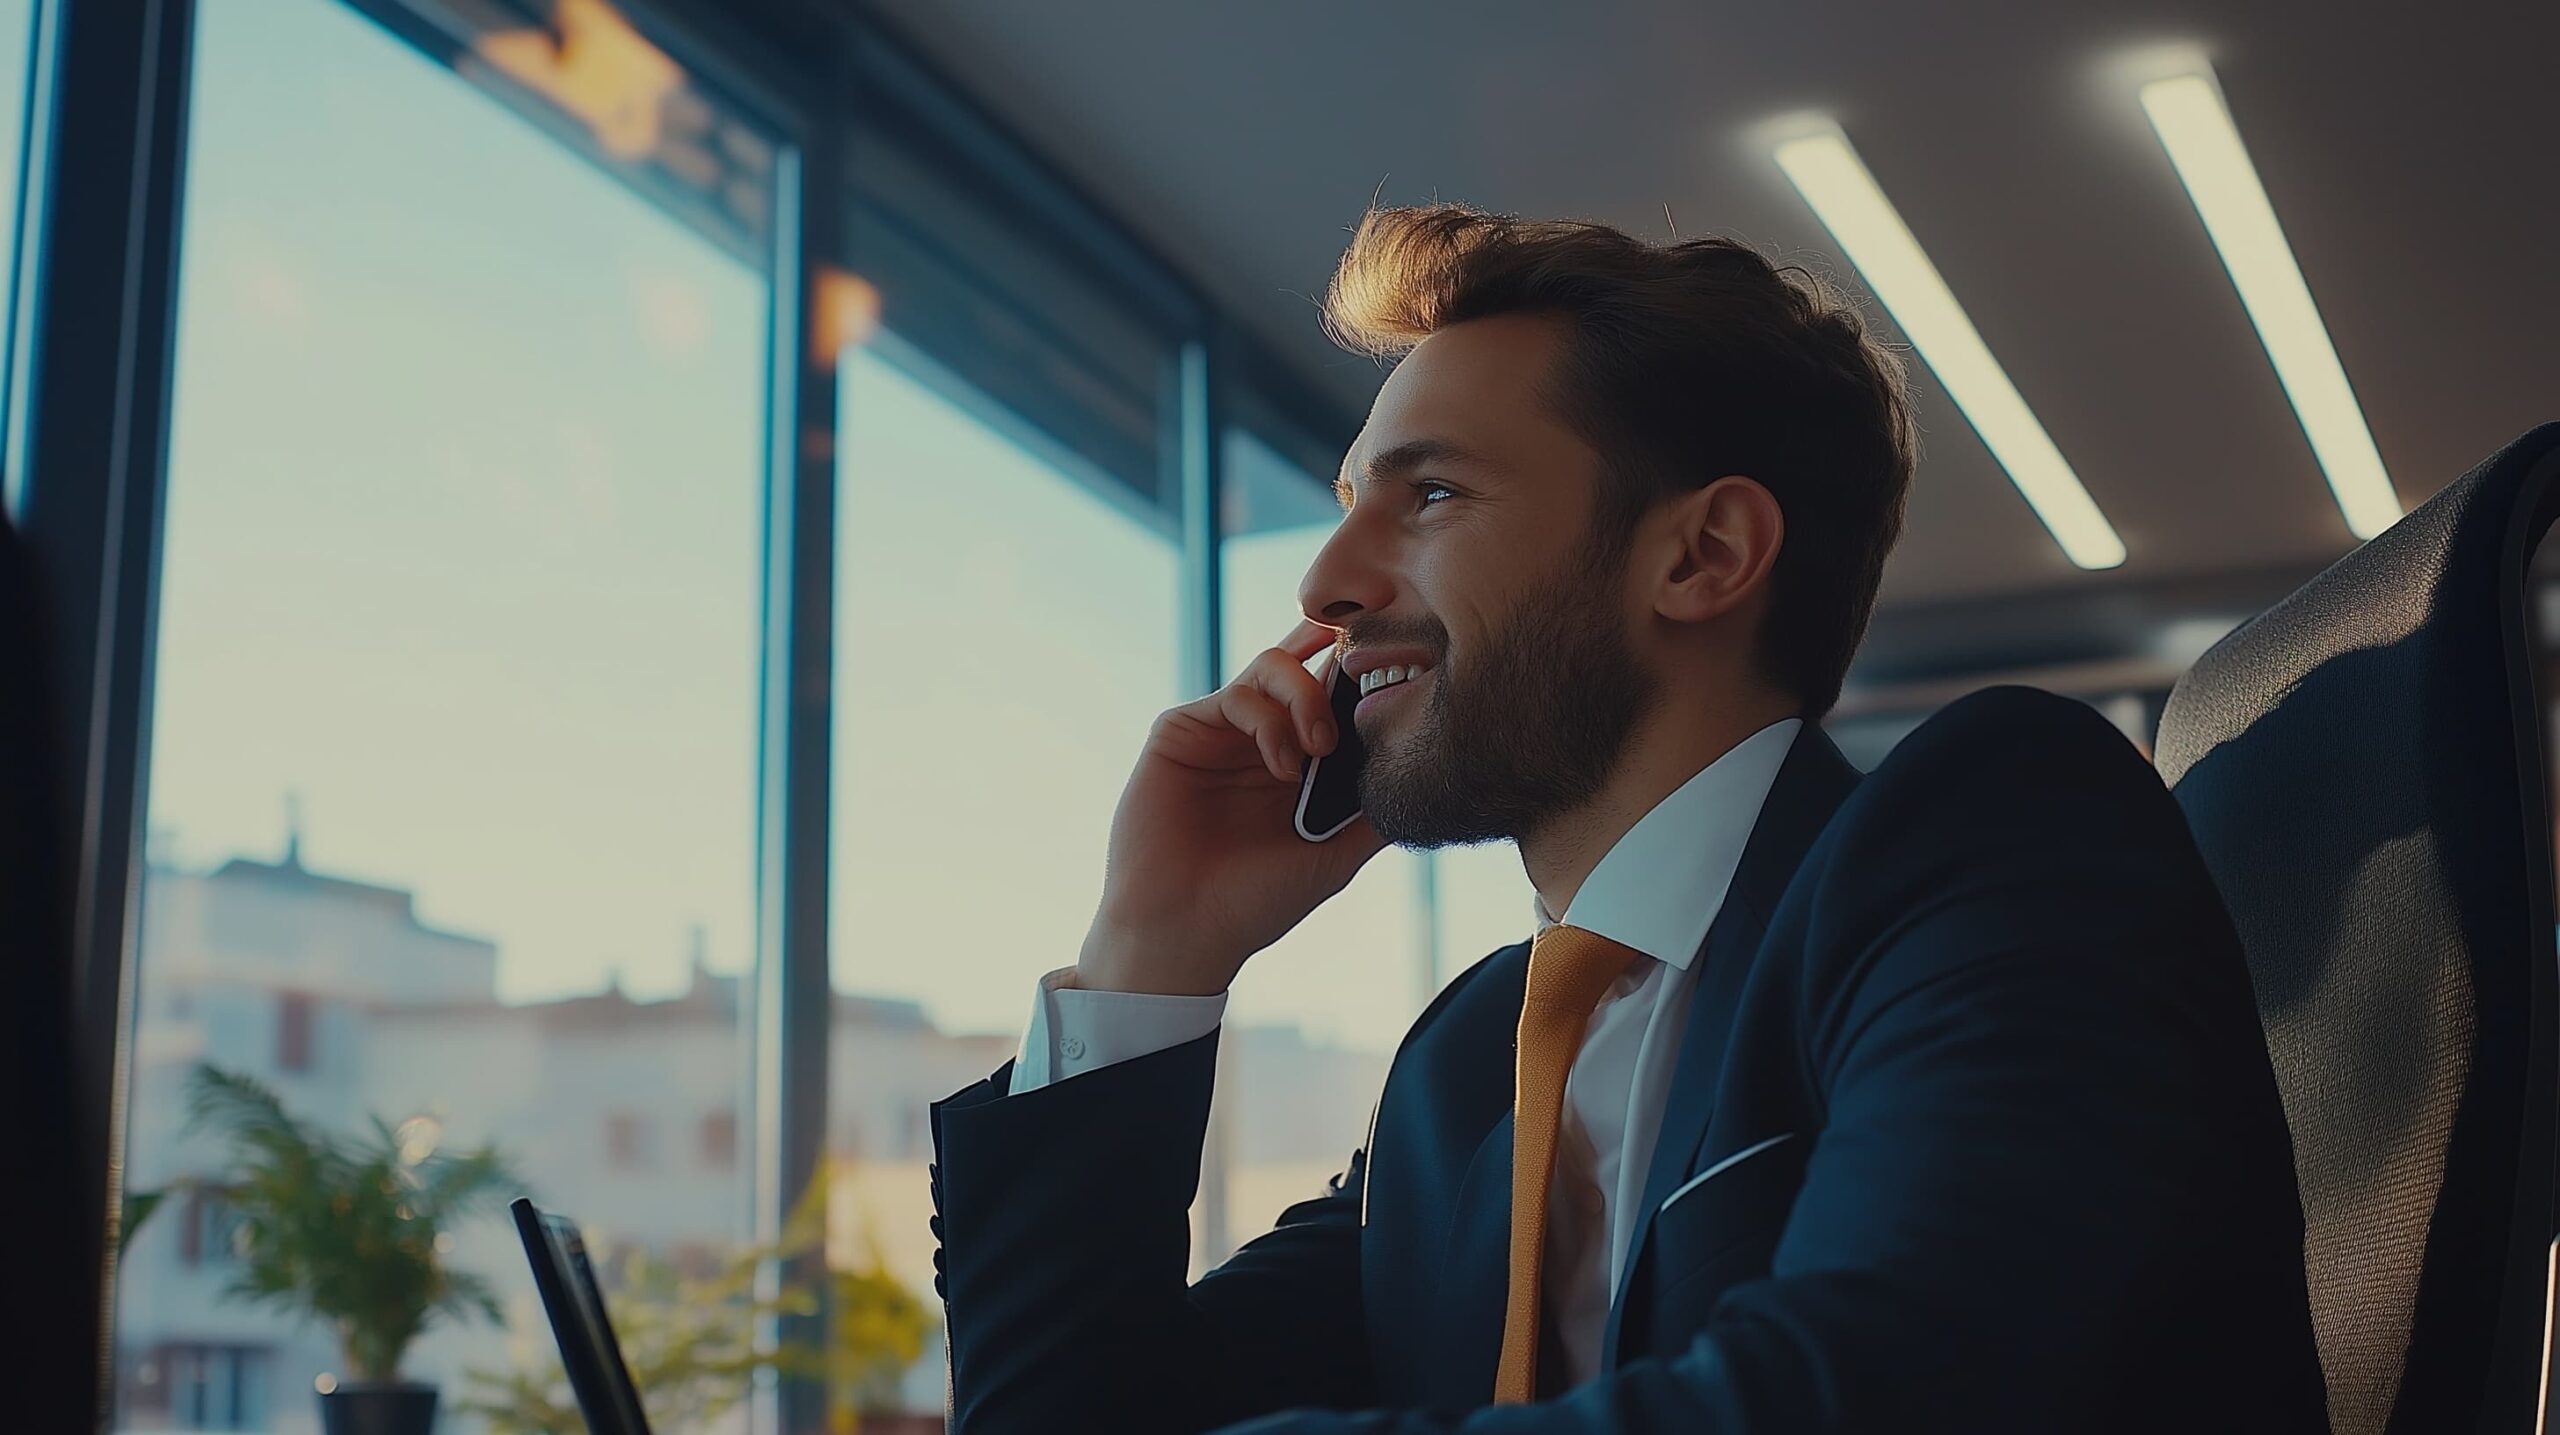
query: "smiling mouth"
1391, 676
1375, 691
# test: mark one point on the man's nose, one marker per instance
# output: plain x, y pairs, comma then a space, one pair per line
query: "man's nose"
1348, 578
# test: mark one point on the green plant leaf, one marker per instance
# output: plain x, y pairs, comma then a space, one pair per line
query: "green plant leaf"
343, 1228
138, 1206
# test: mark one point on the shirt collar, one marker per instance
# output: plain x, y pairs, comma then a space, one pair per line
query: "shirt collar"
1660, 886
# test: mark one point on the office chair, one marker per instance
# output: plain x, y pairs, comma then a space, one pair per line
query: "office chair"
2363, 767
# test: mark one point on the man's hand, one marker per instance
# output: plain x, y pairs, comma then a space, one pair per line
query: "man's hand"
1206, 866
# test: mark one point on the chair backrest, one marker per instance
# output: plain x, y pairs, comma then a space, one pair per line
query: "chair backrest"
2363, 767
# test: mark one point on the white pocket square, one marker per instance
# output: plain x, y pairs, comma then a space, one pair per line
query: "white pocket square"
1718, 1169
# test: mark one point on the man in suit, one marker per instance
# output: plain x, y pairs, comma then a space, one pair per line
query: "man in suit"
1930, 1101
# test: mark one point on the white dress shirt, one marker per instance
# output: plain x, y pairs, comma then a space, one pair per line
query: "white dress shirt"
1657, 890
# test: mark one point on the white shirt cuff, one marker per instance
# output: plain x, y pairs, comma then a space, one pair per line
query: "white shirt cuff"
1074, 1031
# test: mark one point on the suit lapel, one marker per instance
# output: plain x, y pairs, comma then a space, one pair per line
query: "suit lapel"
1810, 785
1475, 1279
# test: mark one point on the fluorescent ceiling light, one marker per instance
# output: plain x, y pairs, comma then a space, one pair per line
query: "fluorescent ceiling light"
1845, 197
2196, 128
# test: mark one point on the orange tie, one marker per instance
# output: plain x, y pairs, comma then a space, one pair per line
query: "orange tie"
1569, 970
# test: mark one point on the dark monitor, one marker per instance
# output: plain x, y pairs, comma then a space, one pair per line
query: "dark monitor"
571, 1298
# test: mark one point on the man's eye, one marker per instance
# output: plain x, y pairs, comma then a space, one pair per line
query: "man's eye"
1426, 488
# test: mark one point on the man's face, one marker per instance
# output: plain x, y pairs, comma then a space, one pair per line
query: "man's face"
1470, 553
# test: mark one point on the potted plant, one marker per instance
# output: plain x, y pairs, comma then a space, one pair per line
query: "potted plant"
350, 1231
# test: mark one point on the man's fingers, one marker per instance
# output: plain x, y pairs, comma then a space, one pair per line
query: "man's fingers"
1285, 680
1253, 712
1307, 639
1285, 709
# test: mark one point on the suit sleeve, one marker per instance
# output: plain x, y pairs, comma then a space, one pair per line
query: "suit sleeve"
2032, 1036
1063, 1220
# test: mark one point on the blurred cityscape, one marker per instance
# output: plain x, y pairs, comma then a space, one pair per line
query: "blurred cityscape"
629, 1115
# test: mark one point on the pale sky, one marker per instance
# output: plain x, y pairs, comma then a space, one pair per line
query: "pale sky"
462, 547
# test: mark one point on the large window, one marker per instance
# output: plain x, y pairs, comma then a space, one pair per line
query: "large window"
1483, 902
1006, 625
1315, 1019
23, 86
454, 764
465, 611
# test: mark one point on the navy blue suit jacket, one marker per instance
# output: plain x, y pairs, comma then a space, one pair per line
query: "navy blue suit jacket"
1972, 1129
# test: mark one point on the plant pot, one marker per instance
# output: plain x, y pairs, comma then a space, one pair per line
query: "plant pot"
387, 1407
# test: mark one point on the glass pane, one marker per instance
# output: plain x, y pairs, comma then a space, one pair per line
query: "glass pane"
1012, 307
1314, 1019
463, 572
1006, 631
1486, 903
18, 87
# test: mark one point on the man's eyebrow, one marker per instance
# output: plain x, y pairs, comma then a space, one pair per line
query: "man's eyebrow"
1411, 454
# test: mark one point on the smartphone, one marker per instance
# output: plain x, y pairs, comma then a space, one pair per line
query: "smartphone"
1329, 790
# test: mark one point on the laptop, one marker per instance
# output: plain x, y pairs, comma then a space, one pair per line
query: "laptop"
570, 1297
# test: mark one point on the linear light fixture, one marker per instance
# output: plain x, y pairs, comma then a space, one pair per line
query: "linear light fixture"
2204, 145
1827, 171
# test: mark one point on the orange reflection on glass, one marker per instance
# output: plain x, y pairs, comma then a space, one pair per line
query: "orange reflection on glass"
600, 70
844, 311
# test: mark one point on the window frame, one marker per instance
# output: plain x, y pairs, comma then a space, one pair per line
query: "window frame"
105, 194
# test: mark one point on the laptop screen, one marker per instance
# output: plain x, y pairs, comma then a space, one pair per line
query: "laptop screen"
579, 1323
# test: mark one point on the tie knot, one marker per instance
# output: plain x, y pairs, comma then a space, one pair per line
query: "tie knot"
1569, 967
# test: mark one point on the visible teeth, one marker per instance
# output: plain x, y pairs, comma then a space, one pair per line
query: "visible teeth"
1377, 678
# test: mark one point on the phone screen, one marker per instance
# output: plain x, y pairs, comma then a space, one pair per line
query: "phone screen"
1329, 792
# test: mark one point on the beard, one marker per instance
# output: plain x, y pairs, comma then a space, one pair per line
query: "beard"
1525, 731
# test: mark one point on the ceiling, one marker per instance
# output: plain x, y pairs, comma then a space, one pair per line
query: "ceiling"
2409, 158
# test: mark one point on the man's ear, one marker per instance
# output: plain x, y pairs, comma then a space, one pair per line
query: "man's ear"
1722, 540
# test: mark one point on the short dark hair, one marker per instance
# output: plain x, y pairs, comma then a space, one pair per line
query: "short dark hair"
1687, 361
